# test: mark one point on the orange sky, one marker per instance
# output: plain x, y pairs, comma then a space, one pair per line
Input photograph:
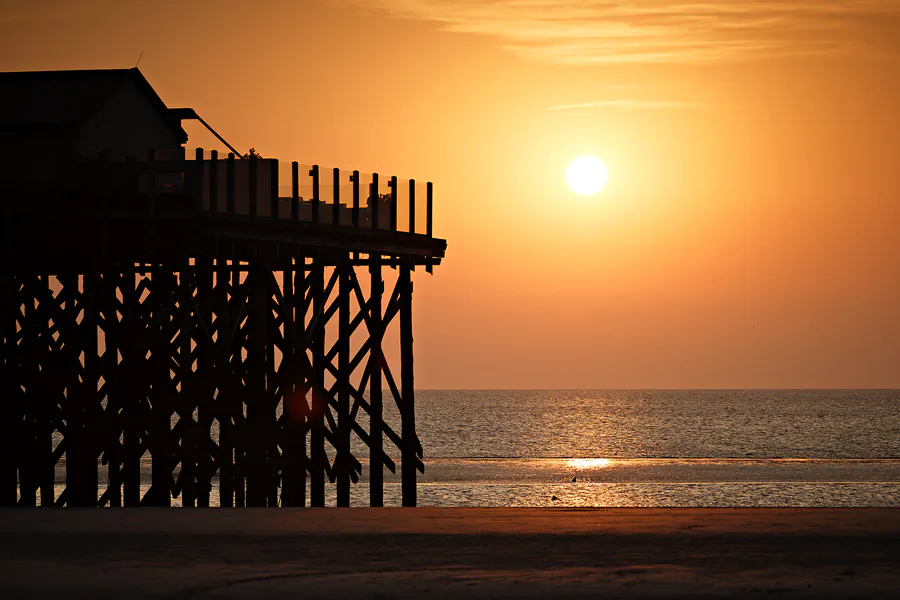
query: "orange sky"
748, 236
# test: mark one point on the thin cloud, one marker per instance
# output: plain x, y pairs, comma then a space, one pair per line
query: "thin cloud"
664, 31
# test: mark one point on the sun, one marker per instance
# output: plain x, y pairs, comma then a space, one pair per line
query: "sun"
587, 175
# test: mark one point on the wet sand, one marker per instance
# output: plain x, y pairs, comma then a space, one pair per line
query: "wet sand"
450, 553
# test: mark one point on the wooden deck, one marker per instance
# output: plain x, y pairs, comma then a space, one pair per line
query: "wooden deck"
100, 211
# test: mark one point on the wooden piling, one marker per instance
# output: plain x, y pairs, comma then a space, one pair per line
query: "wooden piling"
160, 442
317, 393
187, 399
408, 436
10, 391
345, 293
130, 387
256, 378
376, 407
199, 328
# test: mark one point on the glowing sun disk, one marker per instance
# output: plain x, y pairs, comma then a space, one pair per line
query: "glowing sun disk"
586, 175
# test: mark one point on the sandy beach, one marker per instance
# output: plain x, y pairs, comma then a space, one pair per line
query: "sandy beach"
450, 553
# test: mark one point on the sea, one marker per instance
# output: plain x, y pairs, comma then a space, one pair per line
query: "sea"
660, 448
648, 448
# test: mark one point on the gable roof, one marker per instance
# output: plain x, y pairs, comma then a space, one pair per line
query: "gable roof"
71, 98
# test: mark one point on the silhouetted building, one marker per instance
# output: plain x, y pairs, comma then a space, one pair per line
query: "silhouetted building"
48, 117
140, 285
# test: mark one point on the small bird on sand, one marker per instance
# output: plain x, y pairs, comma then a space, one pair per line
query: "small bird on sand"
574, 479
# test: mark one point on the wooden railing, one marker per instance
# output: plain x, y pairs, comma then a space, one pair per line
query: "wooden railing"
234, 186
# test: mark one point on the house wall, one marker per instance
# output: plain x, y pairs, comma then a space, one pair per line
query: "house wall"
33, 154
128, 127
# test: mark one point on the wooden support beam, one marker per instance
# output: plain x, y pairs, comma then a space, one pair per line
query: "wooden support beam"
318, 458
205, 375
224, 400
294, 444
271, 392
10, 303
28, 467
160, 445
112, 421
132, 390
187, 398
82, 448
376, 414
343, 459
44, 409
408, 412
257, 492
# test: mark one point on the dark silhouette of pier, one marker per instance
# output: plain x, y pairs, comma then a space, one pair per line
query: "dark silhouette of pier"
188, 315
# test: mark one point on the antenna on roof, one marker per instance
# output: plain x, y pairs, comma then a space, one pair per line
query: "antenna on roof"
138, 60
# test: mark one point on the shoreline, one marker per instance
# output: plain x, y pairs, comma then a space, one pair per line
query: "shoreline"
450, 552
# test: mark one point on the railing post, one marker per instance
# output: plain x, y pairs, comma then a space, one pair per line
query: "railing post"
254, 209
314, 173
429, 210
229, 184
198, 186
355, 215
429, 214
273, 188
295, 191
214, 182
393, 206
374, 201
336, 207
412, 205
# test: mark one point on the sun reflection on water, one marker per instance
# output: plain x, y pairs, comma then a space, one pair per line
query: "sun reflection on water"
585, 464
